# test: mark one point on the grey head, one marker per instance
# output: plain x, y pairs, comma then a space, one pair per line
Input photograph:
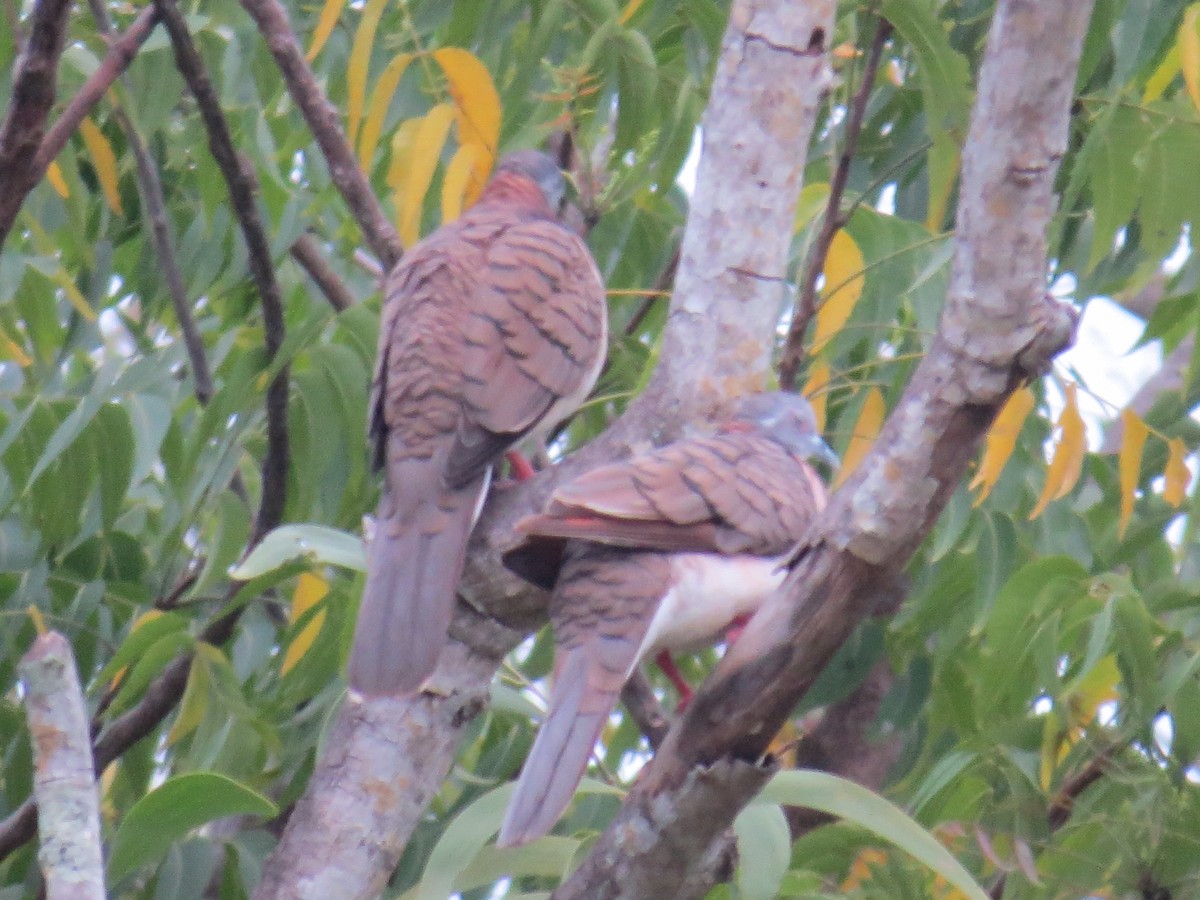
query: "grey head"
787, 419
539, 168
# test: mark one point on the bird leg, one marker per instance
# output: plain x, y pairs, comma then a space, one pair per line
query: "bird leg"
668, 667
735, 629
518, 466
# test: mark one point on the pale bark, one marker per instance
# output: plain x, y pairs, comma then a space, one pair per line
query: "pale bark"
998, 328
729, 293
63, 783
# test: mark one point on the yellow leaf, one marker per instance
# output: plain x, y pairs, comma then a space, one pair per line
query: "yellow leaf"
148, 616
843, 287
476, 106
1097, 687
14, 351
104, 161
630, 9
1129, 464
1177, 475
1001, 441
403, 139
860, 868
385, 88
360, 59
866, 429
1189, 52
426, 150
813, 198
74, 295
457, 181
818, 380
54, 175
194, 704
1067, 462
1054, 747
310, 590
1163, 75
325, 24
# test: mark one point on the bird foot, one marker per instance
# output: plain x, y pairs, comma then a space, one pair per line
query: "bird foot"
518, 466
668, 667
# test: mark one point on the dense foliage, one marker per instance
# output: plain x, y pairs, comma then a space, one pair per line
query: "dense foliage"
1042, 698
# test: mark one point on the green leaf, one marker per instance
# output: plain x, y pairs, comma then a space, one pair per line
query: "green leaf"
764, 845
1111, 151
847, 800
139, 641
945, 85
170, 811
315, 542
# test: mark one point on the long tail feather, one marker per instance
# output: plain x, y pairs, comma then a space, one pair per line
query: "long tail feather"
560, 753
412, 574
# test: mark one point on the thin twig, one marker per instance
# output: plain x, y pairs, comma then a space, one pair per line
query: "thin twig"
243, 189
121, 52
150, 186
325, 122
306, 252
662, 288
834, 220
34, 83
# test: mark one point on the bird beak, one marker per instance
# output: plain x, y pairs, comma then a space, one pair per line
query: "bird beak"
818, 449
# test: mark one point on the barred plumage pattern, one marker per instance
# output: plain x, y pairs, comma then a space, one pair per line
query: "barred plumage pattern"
662, 551
493, 326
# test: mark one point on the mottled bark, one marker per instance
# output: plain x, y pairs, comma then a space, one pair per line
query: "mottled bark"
998, 329
729, 293
64, 784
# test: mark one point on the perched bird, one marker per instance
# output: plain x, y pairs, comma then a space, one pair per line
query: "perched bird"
664, 551
494, 326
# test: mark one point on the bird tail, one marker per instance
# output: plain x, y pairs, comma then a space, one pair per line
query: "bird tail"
414, 564
578, 710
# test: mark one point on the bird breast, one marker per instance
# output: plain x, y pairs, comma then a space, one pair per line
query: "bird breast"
707, 593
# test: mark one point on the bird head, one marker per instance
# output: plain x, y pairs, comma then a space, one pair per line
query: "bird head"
787, 419
538, 168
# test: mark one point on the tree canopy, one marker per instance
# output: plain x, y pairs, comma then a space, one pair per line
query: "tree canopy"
197, 201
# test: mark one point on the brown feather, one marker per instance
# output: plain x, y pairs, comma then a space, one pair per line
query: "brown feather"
491, 325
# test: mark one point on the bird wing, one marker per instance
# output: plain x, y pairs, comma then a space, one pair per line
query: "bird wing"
533, 340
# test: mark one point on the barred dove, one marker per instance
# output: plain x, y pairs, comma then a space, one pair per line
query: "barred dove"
661, 552
493, 327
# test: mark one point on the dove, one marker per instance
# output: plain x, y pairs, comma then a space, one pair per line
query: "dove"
494, 327
662, 552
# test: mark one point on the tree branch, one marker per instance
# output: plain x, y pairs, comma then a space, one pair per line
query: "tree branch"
998, 328
834, 220
155, 206
243, 189
728, 295
306, 252
120, 54
325, 122
35, 76
64, 783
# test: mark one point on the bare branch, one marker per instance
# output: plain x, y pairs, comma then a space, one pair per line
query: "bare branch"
121, 52
150, 187
306, 252
731, 284
834, 220
643, 706
322, 117
64, 783
998, 328
728, 295
243, 189
35, 76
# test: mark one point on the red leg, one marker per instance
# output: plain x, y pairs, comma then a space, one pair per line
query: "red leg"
518, 465
735, 629
676, 678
